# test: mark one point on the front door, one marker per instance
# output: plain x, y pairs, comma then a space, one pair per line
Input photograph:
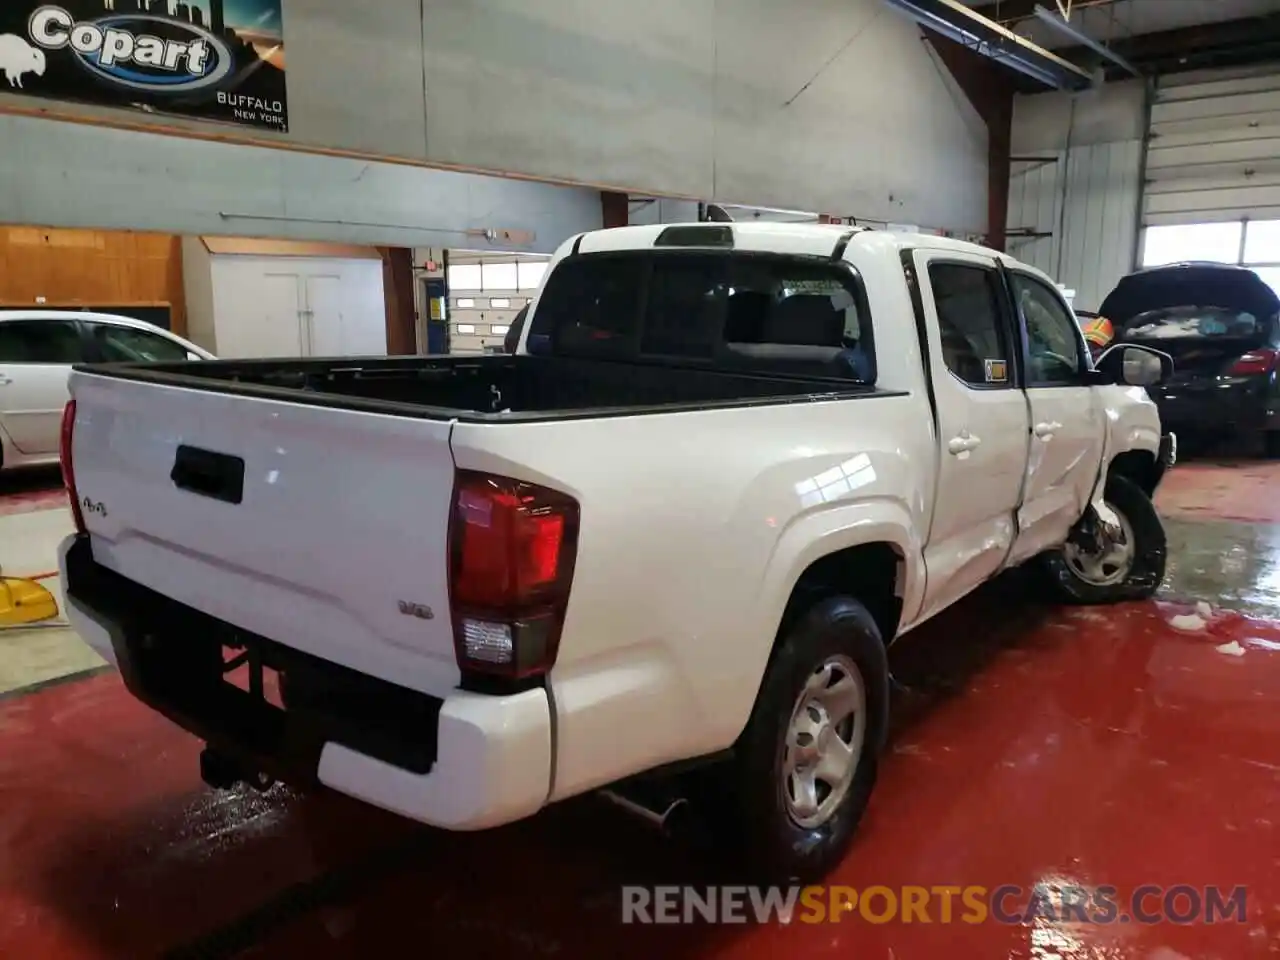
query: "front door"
35, 360
1066, 419
982, 424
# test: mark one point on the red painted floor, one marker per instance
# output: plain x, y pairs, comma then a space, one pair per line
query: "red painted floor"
23, 491
1087, 747
1248, 491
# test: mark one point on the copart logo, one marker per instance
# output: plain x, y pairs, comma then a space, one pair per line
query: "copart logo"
136, 50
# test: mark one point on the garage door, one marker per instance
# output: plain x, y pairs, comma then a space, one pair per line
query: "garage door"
485, 294
1215, 149
1213, 172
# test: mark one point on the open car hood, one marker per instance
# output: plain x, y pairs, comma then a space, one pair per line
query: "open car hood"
1187, 285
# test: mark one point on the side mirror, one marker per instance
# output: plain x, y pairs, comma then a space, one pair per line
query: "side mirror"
1134, 366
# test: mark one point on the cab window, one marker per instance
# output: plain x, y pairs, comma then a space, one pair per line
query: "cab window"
1054, 342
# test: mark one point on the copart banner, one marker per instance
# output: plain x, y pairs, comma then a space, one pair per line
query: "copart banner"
210, 59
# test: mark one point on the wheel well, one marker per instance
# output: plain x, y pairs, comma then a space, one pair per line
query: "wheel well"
870, 573
1138, 466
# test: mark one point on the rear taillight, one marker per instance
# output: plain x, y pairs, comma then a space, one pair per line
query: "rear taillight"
64, 458
512, 547
1255, 362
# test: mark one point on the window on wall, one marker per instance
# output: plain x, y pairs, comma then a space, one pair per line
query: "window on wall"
465, 276
1246, 243
1262, 242
499, 276
1214, 242
1270, 276
531, 273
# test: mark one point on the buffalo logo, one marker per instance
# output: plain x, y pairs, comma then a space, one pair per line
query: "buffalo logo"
17, 57
134, 50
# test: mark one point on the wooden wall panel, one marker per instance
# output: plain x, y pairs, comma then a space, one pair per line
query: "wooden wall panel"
71, 267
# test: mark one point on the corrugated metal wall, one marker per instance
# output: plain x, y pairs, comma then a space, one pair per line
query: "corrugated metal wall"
1215, 148
1083, 202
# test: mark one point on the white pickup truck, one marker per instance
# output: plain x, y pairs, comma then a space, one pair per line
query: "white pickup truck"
672, 534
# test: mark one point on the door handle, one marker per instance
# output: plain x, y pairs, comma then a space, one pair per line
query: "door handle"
1046, 430
963, 443
5, 381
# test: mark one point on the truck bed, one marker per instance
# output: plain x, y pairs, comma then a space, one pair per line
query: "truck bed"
501, 388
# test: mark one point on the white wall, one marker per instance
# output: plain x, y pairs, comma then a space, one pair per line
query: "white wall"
1084, 189
77, 175
197, 283
829, 105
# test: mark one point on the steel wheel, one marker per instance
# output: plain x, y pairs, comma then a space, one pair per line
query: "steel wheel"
1111, 563
824, 742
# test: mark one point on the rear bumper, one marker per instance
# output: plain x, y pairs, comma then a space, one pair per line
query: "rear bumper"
465, 762
1242, 407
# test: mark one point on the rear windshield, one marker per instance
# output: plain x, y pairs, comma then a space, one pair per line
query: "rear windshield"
798, 316
1178, 323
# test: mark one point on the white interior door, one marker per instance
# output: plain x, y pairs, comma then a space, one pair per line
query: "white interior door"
323, 315
364, 318
257, 307
299, 307
344, 311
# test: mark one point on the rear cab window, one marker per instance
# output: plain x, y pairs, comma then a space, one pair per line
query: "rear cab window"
763, 313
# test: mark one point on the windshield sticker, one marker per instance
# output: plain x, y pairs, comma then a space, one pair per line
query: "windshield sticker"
997, 371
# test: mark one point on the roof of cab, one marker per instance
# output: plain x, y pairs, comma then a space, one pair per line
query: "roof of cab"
814, 238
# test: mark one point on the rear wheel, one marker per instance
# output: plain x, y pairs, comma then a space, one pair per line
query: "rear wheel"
1126, 563
806, 763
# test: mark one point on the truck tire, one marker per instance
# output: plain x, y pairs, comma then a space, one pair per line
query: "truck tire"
806, 763
1132, 570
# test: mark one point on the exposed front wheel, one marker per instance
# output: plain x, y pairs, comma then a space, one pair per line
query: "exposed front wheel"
1110, 563
806, 763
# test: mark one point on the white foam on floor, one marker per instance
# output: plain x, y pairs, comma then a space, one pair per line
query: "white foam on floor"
1189, 622
1232, 649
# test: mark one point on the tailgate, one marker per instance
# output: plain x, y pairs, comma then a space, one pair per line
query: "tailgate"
341, 521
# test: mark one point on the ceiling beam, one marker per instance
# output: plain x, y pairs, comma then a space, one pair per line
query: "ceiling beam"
1007, 11
1248, 40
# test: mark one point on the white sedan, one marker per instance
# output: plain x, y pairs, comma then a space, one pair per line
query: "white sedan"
37, 350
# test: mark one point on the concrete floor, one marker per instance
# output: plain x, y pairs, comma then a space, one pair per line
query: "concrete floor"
1118, 746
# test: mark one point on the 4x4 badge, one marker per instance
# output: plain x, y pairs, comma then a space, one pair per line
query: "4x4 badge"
419, 610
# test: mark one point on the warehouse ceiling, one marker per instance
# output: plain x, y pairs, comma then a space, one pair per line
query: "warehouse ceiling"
1156, 36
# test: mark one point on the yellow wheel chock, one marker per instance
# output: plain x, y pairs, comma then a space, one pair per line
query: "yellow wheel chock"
24, 601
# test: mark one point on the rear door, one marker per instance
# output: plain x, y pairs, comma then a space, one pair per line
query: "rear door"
982, 422
36, 355
1066, 417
